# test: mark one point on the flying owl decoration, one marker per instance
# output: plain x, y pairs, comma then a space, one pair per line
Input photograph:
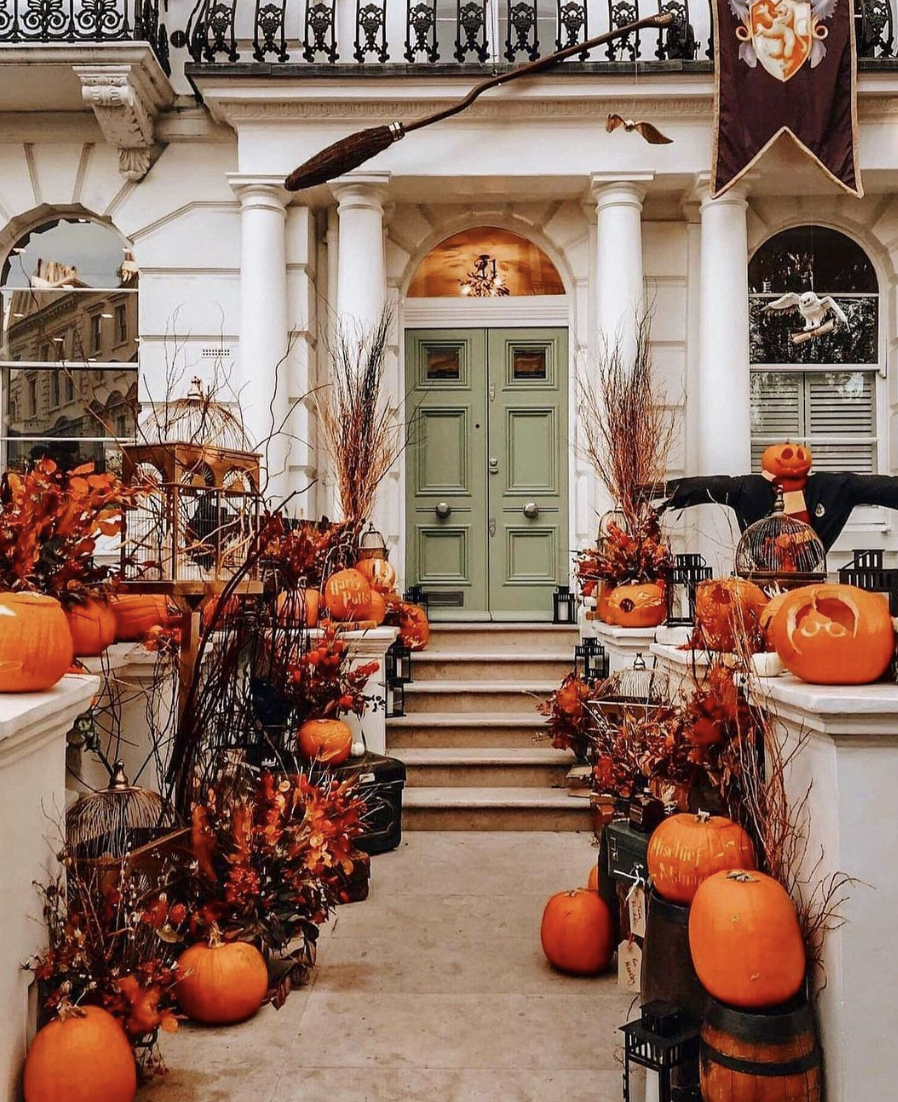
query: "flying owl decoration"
645, 129
814, 310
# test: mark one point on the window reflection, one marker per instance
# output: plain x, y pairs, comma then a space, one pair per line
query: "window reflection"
524, 267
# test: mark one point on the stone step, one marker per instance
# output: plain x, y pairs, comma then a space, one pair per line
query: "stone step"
549, 665
492, 638
465, 729
487, 767
493, 809
476, 696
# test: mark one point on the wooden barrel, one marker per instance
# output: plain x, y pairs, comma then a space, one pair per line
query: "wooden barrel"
667, 971
760, 1056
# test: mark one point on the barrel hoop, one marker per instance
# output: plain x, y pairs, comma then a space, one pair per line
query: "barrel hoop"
752, 1067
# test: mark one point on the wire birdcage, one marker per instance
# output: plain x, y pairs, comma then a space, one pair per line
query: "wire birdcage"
636, 689
781, 550
372, 545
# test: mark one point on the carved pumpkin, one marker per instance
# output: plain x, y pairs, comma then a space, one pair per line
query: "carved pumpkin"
685, 850
35, 643
577, 932
378, 573
325, 741
603, 598
768, 612
376, 607
727, 609
222, 981
346, 594
137, 613
834, 635
92, 625
637, 606
414, 627
787, 460
745, 940
298, 606
83, 1054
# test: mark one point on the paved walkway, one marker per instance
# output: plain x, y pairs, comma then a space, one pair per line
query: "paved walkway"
434, 988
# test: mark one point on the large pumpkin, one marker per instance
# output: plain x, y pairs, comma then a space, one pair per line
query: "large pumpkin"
298, 606
83, 1056
727, 609
786, 460
603, 599
378, 573
346, 594
92, 625
685, 850
834, 635
414, 627
636, 606
577, 932
221, 982
35, 643
376, 608
137, 613
326, 741
745, 940
768, 612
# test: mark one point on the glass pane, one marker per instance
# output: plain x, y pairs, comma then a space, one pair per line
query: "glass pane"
811, 258
65, 453
68, 326
74, 253
779, 336
443, 361
529, 363
522, 266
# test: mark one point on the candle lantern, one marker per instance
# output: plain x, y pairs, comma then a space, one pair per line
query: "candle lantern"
397, 674
663, 1040
866, 571
591, 662
415, 595
687, 572
564, 606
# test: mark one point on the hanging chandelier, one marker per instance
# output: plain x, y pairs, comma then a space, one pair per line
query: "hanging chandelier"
484, 281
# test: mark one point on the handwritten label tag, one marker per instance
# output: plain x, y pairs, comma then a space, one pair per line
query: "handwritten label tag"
629, 965
636, 908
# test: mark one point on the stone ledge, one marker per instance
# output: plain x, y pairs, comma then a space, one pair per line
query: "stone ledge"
29, 720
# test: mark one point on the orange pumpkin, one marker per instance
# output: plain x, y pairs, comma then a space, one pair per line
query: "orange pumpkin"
414, 627
35, 643
209, 611
221, 982
637, 606
727, 609
378, 573
603, 597
745, 940
326, 741
92, 625
787, 460
765, 620
577, 932
299, 606
82, 1056
685, 850
834, 635
376, 608
346, 594
137, 613
592, 881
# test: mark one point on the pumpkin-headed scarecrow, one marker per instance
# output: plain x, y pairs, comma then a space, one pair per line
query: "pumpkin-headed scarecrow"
824, 500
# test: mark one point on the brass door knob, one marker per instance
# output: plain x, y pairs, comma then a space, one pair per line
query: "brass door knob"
443, 509
531, 510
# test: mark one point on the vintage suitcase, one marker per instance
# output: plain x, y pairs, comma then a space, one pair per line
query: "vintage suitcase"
626, 850
381, 781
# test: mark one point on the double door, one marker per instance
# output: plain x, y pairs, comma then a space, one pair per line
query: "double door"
487, 470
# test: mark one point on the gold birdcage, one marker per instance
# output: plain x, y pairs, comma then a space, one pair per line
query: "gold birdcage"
781, 551
372, 545
636, 689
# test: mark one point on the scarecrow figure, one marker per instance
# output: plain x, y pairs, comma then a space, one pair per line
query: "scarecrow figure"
824, 500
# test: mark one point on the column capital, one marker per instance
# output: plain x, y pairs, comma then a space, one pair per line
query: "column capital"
619, 188
361, 190
260, 192
701, 193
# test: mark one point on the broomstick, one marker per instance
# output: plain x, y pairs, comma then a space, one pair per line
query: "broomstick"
353, 150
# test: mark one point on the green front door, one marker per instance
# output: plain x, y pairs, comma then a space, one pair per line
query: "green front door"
487, 469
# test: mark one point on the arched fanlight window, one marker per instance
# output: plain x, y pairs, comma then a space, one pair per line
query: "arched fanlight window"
485, 262
814, 340
68, 339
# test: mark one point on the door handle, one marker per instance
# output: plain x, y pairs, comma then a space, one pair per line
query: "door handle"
531, 510
494, 465
442, 509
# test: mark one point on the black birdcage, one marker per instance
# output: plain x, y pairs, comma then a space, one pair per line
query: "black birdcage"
591, 661
662, 1040
866, 571
687, 572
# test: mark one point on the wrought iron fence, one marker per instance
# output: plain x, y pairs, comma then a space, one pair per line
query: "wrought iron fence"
465, 32
93, 21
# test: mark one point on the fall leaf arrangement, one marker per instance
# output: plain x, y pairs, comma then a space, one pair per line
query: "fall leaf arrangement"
626, 554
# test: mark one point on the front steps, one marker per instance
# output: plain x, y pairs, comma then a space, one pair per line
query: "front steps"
468, 738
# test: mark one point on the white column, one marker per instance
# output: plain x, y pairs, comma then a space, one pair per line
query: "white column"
262, 381
361, 265
620, 290
724, 392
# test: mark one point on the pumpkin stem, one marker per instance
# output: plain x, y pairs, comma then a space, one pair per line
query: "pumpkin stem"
67, 1009
742, 877
215, 939
702, 816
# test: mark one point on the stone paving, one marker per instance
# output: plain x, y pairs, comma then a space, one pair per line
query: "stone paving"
434, 988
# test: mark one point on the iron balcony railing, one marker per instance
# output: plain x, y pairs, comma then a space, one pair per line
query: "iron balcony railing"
85, 21
440, 33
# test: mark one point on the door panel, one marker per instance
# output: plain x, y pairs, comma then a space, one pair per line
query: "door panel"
489, 439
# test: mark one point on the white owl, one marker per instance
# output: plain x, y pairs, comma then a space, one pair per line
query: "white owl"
811, 306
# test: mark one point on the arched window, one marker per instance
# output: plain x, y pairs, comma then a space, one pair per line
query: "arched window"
485, 262
68, 330
814, 305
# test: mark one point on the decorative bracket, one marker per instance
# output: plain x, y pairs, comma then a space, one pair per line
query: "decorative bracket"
126, 99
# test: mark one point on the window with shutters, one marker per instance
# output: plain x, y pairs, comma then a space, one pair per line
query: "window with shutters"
814, 375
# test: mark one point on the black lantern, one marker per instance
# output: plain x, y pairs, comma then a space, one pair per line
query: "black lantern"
564, 605
591, 662
415, 595
866, 571
397, 673
663, 1039
687, 572
394, 703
